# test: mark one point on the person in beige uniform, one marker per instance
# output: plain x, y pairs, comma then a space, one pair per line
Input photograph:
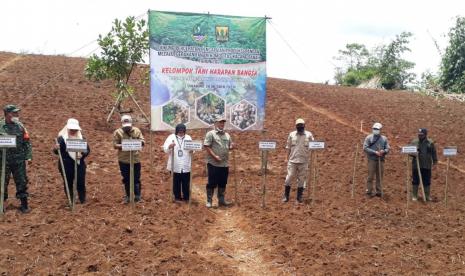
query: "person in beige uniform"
297, 156
217, 143
127, 131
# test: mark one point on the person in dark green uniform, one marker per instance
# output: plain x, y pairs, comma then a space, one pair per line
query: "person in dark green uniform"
427, 157
17, 157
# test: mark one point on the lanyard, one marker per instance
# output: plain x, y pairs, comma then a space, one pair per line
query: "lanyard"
182, 141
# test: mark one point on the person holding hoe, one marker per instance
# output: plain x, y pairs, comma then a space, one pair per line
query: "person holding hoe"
72, 130
128, 131
376, 147
427, 157
297, 159
182, 162
217, 143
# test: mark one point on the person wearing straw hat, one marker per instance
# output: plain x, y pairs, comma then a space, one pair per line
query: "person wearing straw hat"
376, 147
72, 130
217, 143
18, 157
182, 162
427, 157
128, 131
297, 159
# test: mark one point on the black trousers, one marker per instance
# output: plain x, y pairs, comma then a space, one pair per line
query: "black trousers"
425, 175
125, 171
181, 182
81, 178
217, 176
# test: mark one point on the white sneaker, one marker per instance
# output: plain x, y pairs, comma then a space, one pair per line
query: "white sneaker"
209, 204
414, 199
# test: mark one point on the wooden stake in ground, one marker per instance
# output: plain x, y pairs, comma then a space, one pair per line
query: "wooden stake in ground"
172, 174
236, 198
421, 179
447, 183
355, 169
73, 198
2, 181
191, 153
315, 177
264, 169
68, 196
309, 176
407, 180
131, 178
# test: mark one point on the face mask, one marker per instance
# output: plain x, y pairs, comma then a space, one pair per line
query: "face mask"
300, 128
376, 131
421, 137
220, 130
15, 119
127, 129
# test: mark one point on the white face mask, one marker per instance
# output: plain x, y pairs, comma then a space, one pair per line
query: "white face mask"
376, 131
15, 119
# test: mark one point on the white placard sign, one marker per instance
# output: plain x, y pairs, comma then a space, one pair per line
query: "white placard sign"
409, 149
131, 144
267, 145
7, 141
76, 145
315, 145
449, 151
193, 145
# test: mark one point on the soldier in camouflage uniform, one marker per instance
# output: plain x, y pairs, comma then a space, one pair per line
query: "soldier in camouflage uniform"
16, 157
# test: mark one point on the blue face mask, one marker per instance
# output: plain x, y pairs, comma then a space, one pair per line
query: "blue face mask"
376, 131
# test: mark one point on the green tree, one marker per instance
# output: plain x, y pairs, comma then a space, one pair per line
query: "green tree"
384, 62
452, 69
393, 69
121, 49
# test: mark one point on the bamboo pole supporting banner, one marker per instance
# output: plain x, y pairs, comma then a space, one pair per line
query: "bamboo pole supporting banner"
447, 182
68, 196
2, 181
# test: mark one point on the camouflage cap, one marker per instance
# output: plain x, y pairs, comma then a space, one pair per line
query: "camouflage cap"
11, 108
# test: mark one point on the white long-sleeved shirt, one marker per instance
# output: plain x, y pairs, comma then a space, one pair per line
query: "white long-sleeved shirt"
182, 164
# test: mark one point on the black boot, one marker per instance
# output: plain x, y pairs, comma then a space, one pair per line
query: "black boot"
300, 192
221, 200
287, 191
210, 192
24, 208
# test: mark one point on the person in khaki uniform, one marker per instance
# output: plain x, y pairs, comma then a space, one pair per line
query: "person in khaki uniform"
217, 143
297, 156
376, 147
127, 131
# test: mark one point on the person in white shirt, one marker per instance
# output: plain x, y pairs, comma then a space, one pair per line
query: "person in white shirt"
182, 162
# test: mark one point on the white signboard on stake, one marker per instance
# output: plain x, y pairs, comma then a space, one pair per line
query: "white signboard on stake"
267, 145
315, 145
409, 150
7, 141
131, 145
449, 151
76, 145
193, 145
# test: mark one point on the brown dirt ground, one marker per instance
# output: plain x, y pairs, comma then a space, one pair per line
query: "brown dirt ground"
332, 234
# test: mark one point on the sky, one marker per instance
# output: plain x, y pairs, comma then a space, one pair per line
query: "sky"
303, 36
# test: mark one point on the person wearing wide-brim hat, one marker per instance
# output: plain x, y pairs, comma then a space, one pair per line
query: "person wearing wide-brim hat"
17, 157
297, 159
72, 130
427, 157
217, 143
